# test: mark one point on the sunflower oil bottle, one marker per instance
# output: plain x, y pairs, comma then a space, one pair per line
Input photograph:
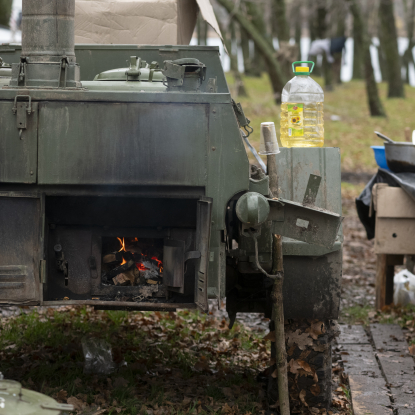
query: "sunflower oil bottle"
302, 123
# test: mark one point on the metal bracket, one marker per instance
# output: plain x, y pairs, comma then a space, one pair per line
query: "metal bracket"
192, 255
22, 109
212, 85
63, 68
304, 223
312, 189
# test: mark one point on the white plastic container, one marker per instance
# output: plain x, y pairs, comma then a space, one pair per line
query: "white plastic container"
302, 116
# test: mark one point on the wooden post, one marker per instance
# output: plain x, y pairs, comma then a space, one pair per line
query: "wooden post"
278, 317
277, 300
385, 270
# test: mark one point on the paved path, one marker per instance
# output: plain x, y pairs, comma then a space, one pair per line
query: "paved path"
381, 371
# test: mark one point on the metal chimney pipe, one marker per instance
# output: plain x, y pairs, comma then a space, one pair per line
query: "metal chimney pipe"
48, 32
48, 46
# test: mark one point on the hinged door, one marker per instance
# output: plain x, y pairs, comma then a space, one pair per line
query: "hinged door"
21, 248
18, 141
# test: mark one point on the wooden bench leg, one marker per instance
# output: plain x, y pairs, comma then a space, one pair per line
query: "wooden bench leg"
385, 271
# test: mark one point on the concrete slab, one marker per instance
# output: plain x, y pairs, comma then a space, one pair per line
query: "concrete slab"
369, 396
352, 335
397, 365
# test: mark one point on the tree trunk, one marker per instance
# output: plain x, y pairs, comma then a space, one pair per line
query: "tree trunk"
240, 89
256, 14
408, 56
280, 22
297, 35
362, 37
389, 42
339, 20
321, 32
277, 78
358, 52
5, 12
230, 40
202, 29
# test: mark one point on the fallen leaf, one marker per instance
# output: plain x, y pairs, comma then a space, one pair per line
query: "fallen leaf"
62, 396
270, 336
77, 403
411, 349
302, 340
315, 390
316, 329
302, 395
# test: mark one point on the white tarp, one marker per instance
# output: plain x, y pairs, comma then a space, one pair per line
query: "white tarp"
145, 22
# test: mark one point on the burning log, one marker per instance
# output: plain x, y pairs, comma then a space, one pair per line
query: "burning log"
118, 270
113, 258
130, 277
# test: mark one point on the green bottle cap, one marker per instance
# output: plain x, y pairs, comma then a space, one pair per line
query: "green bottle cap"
303, 70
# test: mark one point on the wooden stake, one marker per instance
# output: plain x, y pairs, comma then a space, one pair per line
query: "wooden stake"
278, 317
277, 299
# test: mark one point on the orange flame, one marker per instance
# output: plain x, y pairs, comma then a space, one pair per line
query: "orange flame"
122, 242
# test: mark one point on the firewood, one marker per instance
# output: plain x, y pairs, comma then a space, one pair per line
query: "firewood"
133, 275
121, 279
113, 258
118, 270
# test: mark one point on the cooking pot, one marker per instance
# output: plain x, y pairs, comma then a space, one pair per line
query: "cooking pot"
400, 157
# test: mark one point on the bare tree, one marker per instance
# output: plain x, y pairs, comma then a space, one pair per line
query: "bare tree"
5, 12
279, 21
229, 37
389, 43
408, 56
362, 36
202, 31
276, 75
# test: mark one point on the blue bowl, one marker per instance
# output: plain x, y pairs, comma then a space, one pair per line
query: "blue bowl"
380, 156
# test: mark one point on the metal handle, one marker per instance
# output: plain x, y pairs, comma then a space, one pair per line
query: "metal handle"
383, 137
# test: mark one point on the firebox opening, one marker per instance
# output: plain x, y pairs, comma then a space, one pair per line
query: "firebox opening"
132, 261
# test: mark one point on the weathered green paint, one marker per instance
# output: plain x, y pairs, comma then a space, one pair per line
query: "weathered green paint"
18, 157
122, 144
94, 59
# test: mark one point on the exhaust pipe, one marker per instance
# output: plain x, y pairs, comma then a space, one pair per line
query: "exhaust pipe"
48, 46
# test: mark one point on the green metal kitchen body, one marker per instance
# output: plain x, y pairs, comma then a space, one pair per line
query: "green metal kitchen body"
90, 153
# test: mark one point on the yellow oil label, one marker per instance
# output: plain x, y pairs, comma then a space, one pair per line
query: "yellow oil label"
295, 120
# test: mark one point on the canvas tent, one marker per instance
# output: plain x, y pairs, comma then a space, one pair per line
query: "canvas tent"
144, 22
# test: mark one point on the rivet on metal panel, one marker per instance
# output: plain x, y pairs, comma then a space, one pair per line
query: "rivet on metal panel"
213, 148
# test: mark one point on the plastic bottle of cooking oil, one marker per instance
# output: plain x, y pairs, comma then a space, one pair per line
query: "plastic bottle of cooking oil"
302, 123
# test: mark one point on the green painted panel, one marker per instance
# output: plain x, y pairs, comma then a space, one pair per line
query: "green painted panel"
294, 166
122, 144
228, 174
18, 156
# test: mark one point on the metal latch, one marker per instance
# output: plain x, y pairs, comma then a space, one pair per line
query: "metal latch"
243, 122
22, 109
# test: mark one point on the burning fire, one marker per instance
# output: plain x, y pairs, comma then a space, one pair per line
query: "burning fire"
122, 242
139, 265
